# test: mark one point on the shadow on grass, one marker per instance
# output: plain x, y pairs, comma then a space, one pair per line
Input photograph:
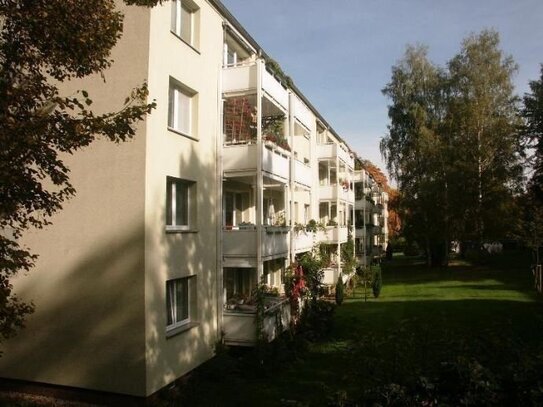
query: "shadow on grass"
403, 339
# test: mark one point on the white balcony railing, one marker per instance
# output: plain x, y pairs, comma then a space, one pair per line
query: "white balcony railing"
334, 150
303, 241
333, 234
302, 113
243, 243
302, 174
333, 192
243, 157
274, 89
275, 161
240, 327
241, 78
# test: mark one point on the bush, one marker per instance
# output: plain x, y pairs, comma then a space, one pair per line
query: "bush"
317, 319
412, 249
377, 281
340, 290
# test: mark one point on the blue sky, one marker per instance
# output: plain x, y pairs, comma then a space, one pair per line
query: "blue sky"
340, 53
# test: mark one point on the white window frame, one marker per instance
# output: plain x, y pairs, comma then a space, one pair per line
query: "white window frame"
176, 114
171, 306
171, 206
176, 25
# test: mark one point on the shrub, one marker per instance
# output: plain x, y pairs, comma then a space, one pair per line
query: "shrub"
317, 319
340, 290
412, 249
377, 281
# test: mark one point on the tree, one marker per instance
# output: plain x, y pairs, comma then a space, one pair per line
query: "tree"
44, 43
483, 122
414, 148
532, 132
452, 144
531, 227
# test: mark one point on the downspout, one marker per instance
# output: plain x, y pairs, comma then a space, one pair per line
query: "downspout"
338, 186
364, 217
218, 211
259, 177
291, 173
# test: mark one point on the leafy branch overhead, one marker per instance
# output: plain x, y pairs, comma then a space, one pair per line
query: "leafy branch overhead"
42, 44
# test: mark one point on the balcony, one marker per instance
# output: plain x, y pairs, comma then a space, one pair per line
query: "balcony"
302, 174
360, 233
302, 113
333, 192
361, 204
333, 150
333, 234
243, 78
303, 241
240, 325
243, 242
242, 158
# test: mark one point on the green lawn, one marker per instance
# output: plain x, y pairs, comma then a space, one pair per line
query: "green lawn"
475, 330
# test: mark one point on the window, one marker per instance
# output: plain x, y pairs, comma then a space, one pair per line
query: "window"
180, 205
307, 216
184, 19
236, 206
179, 293
180, 101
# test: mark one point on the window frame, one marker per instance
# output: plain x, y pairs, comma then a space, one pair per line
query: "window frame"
171, 220
172, 305
175, 91
176, 21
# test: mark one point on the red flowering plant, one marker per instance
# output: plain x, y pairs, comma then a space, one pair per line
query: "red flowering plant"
295, 289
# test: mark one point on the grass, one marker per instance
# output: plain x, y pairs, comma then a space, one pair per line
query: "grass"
462, 335
467, 321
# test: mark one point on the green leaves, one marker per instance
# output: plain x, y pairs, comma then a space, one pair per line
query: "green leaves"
451, 143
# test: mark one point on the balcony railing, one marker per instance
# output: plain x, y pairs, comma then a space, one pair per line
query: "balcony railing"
243, 242
243, 157
333, 192
240, 325
333, 150
333, 234
302, 174
302, 113
303, 241
241, 78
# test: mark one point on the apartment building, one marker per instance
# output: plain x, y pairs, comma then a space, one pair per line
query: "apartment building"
371, 217
155, 259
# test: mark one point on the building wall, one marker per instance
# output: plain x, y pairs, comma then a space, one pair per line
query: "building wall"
175, 255
88, 284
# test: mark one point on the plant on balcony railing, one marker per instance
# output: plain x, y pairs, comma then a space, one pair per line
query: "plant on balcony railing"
273, 130
239, 121
247, 225
344, 184
312, 227
275, 69
331, 223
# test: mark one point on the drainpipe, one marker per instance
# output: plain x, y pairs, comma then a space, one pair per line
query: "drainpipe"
218, 210
291, 173
364, 216
338, 186
259, 177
